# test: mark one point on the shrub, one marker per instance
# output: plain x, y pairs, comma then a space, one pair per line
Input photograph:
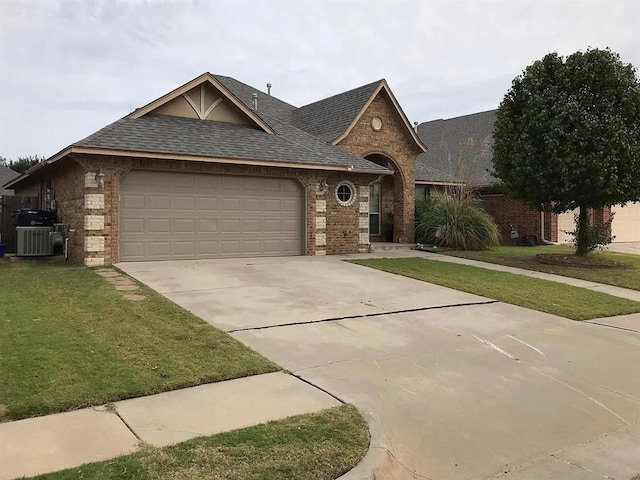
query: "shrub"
598, 236
455, 222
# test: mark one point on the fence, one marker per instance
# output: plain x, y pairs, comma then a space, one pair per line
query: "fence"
9, 204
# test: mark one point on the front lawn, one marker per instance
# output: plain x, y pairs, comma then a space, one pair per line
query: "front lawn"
69, 340
542, 295
321, 445
524, 257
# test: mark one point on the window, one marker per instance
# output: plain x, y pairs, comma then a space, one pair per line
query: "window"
374, 209
422, 192
344, 193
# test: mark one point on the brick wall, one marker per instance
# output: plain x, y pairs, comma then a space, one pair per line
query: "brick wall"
395, 142
339, 232
506, 212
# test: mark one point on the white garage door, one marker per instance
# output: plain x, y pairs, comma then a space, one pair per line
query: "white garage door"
626, 222
166, 216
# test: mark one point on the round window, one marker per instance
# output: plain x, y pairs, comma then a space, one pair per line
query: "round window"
344, 193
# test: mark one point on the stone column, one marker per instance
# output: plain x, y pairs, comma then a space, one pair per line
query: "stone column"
94, 237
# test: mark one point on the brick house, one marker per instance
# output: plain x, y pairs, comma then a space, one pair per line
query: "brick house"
217, 168
460, 152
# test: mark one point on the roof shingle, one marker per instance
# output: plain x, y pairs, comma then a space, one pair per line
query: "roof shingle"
460, 148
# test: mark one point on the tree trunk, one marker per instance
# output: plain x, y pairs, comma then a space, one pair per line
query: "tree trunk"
582, 240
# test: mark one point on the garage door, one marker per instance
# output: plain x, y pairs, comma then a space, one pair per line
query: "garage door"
166, 216
626, 222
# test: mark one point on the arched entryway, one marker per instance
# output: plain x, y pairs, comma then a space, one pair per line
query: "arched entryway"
386, 203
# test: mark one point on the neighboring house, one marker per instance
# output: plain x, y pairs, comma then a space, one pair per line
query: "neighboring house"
6, 174
461, 149
216, 168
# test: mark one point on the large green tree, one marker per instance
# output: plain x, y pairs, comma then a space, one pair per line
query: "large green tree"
22, 164
567, 135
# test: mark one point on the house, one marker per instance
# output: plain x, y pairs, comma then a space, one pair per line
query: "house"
6, 174
460, 151
217, 168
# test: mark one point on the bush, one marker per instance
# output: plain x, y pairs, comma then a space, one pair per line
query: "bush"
457, 223
598, 236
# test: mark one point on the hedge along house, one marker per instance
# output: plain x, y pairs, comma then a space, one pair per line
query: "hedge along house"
460, 151
218, 169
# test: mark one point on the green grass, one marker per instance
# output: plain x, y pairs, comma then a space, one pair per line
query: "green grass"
315, 446
542, 295
69, 340
524, 257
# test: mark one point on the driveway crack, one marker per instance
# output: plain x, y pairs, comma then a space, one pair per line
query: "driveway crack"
364, 315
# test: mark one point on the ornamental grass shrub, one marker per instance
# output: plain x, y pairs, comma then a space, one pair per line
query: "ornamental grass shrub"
455, 222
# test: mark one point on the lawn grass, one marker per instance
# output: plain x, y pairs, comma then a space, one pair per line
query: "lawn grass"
69, 340
322, 445
542, 295
524, 257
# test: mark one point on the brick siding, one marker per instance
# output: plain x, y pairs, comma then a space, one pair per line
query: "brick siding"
396, 143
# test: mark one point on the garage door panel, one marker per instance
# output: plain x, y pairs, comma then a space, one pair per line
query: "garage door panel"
158, 249
157, 225
207, 204
183, 225
158, 202
207, 225
167, 215
183, 248
626, 222
184, 203
132, 202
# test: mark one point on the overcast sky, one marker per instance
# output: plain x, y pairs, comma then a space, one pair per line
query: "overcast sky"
69, 68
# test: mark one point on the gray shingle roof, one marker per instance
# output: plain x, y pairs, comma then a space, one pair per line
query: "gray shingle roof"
267, 104
459, 148
176, 135
6, 175
329, 118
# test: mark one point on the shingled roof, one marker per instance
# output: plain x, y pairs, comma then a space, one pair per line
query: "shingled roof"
6, 175
187, 136
458, 148
329, 118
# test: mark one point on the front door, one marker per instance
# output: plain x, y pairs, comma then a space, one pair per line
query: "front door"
374, 209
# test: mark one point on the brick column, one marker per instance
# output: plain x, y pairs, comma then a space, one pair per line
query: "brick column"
94, 238
321, 222
363, 219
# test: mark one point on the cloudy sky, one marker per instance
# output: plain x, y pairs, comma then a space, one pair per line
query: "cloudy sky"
71, 67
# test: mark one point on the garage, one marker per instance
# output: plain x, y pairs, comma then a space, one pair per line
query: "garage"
171, 216
626, 223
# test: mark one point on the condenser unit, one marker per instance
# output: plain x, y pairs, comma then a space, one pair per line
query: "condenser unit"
34, 241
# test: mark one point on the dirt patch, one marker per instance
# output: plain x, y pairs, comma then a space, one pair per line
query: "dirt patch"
578, 261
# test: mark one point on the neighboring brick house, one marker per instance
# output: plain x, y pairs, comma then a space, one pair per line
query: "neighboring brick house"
218, 169
6, 174
460, 152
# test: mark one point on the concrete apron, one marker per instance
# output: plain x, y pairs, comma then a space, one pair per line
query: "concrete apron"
55, 442
474, 390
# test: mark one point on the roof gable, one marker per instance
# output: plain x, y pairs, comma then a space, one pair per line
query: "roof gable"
6, 175
333, 118
204, 98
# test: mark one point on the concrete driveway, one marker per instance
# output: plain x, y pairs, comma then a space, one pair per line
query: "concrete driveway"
454, 386
627, 247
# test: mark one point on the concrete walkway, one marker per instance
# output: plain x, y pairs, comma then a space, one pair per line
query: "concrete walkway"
55, 442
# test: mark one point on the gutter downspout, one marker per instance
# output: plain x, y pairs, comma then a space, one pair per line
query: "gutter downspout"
544, 240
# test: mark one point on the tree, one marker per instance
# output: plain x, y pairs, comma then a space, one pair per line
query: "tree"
22, 164
567, 135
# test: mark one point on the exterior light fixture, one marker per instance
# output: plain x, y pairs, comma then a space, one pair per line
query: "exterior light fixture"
324, 186
100, 178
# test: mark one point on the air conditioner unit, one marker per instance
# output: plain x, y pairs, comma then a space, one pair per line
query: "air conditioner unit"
34, 241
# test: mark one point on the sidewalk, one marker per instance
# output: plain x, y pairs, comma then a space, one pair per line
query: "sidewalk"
55, 442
